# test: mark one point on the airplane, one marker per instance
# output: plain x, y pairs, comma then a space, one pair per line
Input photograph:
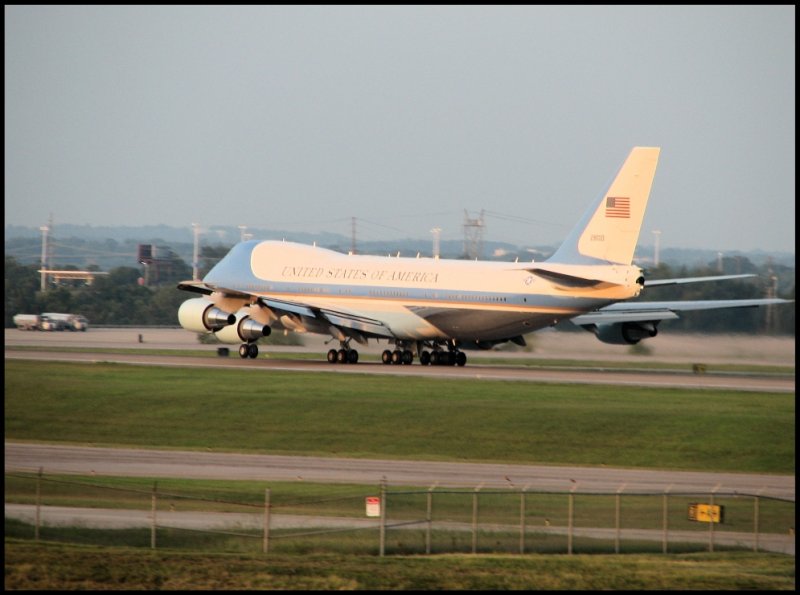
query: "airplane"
433, 309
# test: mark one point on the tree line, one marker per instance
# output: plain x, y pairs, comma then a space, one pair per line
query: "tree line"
122, 298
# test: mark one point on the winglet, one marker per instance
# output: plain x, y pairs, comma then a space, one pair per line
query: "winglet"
609, 230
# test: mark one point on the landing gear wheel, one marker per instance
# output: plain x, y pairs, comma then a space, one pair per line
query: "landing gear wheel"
244, 351
352, 356
435, 358
407, 357
252, 351
397, 356
386, 357
461, 358
425, 358
341, 356
332, 356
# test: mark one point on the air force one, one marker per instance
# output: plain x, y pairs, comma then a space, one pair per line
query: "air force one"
431, 308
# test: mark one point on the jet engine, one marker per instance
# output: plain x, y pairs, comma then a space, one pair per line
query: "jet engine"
625, 333
202, 316
244, 329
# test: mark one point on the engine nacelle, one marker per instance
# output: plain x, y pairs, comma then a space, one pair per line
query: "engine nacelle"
244, 329
626, 333
202, 316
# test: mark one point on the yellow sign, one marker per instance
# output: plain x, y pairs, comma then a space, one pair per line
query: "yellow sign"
706, 513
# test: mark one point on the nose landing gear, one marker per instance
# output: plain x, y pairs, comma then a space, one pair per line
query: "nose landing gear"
248, 350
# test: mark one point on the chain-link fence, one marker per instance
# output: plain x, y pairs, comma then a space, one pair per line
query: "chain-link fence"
385, 521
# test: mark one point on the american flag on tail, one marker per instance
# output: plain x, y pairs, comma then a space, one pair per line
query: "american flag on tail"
618, 207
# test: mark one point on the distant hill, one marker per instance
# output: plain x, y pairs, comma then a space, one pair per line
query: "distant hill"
107, 247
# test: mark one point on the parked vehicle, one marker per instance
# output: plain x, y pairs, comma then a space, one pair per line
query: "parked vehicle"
60, 322
28, 322
51, 321
51, 324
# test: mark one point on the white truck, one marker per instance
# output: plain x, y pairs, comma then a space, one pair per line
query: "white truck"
56, 321
28, 322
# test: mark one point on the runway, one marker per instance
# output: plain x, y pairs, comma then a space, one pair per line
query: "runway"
98, 342
83, 460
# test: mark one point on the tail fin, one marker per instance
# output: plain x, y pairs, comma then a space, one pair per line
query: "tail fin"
609, 230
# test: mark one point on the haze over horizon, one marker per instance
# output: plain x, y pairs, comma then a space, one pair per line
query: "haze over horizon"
300, 118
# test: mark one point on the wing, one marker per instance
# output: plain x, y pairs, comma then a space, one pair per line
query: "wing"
345, 321
349, 323
653, 311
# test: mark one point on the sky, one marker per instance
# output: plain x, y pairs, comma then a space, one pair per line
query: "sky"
407, 118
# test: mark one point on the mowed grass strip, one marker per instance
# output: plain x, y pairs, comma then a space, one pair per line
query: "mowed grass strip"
399, 417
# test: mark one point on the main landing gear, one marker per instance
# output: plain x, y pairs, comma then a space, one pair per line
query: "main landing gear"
444, 358
437, 357
398, 356
343, 355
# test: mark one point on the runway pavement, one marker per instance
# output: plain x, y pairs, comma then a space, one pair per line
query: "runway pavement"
68, 459
544, 344
99, 341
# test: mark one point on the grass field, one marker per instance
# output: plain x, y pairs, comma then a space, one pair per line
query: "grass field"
373, 416
55, 566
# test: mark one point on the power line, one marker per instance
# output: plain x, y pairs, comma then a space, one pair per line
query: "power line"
523, 219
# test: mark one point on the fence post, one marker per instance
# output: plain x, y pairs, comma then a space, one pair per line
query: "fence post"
617, 516
711, 524
429, 517
522, 520
153, 510
475, 519
569, 518
38, 503
665, 512
383, 518
755, 519
265, 546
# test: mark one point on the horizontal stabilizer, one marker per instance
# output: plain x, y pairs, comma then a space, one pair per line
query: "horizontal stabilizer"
656, 282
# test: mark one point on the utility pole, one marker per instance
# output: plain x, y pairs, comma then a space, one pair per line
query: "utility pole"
772, 292
437, 232
657, 233
44, 229
196, 229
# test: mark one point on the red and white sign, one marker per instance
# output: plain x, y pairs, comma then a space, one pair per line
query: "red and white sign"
373, 506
